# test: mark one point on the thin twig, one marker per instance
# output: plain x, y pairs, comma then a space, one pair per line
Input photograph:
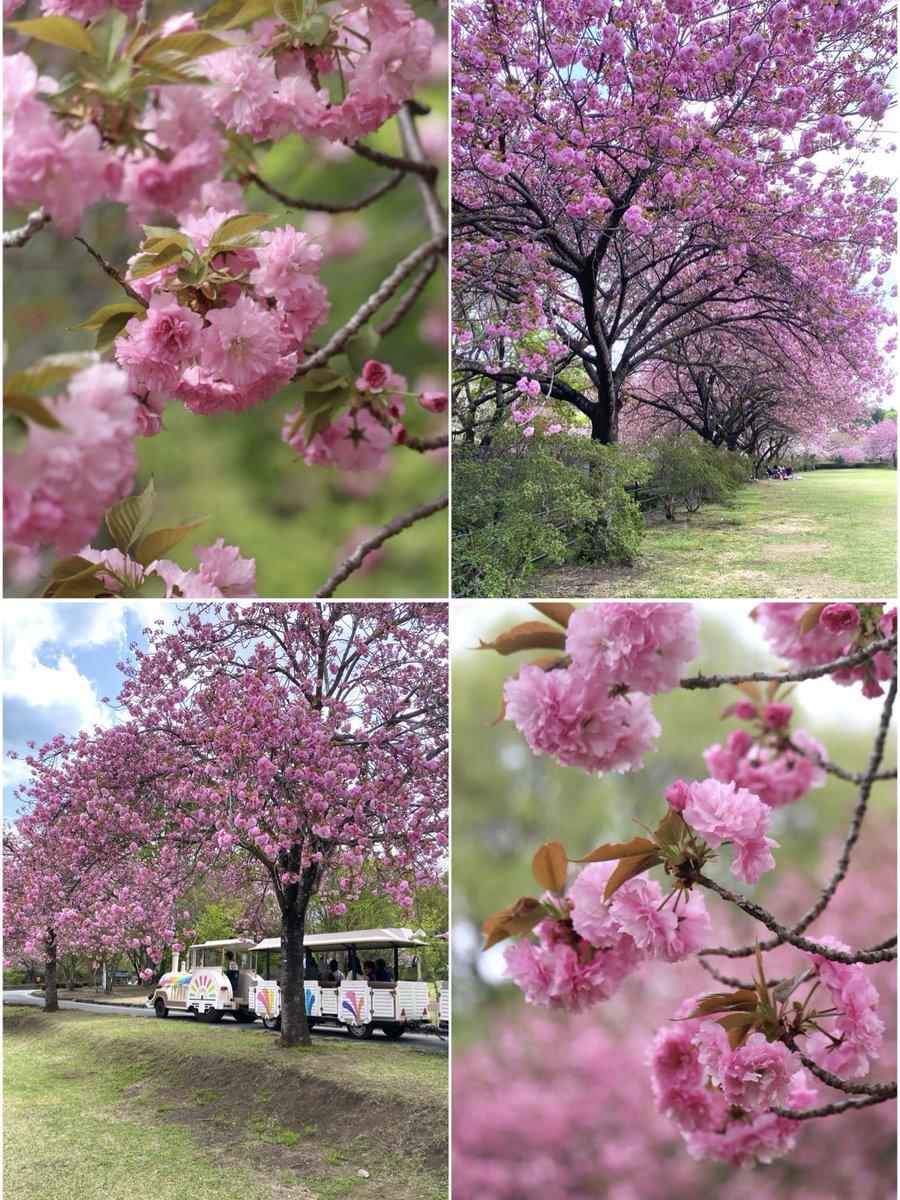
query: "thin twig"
838, 664
859, 811
843, 863
251, 175
886, 1090
391, 529
18, 237
112, 272
412, 148
423, 445
384, 292
410, 296
408, 165
784, 934
827, 1110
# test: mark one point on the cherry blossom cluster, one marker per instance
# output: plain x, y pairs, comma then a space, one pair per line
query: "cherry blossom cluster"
373, 55
222, 572
57, 489
233, 339
584, 956
777, 764
593, 709
810, 635
358, 438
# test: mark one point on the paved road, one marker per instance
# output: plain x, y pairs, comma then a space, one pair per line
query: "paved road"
415, 1041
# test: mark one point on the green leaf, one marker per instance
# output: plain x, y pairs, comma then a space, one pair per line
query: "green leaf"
190, 45
361, 347
229, 14
292, 12
58, 31
147, 264
32, 410
110, 330
324, 379
108, 33
130, 308
73, 578
314, 30
152, 585
127, 518
154, 545
48, 372
158, 241
236, 227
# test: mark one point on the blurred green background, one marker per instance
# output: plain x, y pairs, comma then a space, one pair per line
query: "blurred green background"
507, 801
297, 521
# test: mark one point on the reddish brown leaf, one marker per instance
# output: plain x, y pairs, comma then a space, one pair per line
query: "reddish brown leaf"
749, 688
559, 613
671, 829
627, 869
530, 635
738, 1026
612, 850
810, 618
550, 866
510, 922
743, 1000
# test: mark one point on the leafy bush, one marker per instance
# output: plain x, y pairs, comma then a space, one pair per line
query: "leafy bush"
690, 471
518, 506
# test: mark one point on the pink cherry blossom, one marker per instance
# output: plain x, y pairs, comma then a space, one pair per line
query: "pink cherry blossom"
721, 812
644, 646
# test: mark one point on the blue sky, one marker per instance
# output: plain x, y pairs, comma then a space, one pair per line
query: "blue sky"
59, 660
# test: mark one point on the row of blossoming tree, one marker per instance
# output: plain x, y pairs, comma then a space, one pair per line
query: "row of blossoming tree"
267, 753
217, 310
669, 216
737, 1068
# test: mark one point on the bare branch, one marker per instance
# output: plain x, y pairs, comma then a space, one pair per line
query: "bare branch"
827, 1110
785, 935
391, 529
18, 237
410, 296
112, 272
412, 148
408, 165
384, 292
251, 175
837, 664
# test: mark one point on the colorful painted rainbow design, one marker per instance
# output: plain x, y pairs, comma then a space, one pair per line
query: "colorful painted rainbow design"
266, 1001
310, 1001
203, 987
355, 1005
175, 979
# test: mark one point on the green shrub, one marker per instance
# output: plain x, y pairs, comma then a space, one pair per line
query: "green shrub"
547, 499
691, 471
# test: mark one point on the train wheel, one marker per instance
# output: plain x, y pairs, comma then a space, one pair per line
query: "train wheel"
361, 1032
394, 1031
159, 1007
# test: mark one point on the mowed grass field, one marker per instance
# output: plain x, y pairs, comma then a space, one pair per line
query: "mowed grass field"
110, 1106
830, 534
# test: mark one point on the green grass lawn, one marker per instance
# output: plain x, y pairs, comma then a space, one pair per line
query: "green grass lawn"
833, 533
113, 1106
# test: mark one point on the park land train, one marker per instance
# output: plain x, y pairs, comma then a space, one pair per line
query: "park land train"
204, 987
357, 1004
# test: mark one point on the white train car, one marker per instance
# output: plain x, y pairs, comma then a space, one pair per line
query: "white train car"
359, 1004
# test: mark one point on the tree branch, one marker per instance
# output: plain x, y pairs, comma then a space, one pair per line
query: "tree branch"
407, 165
251, 175
112, 272
389, 285
391, 529
18, 237
827, 1110
786, 935
837, 664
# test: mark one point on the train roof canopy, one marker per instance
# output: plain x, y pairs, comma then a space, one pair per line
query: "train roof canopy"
390, 936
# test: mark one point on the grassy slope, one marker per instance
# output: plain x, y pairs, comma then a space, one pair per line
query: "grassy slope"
831, 534
107, 1106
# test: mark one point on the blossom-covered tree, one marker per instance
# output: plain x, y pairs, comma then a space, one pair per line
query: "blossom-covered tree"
628, 177
284, 751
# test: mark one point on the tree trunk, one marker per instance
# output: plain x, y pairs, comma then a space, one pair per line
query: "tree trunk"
51, 1000
294, 1026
